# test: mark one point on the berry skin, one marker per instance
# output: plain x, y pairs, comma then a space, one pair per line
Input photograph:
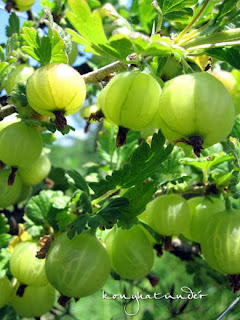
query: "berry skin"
220, 242
56, 87
168, 215
195, 105
130, 252
22, 5
19, 74
131, 100
25, 266
35, 173
230, 82
20, 145
77, 267
202, 209
9, 195
6, 290
35, 301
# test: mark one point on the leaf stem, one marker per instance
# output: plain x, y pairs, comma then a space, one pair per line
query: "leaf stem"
104, 196
189, 26
160, 16
218, 37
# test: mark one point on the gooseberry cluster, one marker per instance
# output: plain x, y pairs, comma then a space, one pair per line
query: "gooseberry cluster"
23, 163
182, 110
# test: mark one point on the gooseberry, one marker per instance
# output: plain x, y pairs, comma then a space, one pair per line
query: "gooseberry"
231, 85
77, 267
35, 173
19, 74
8, 120
201, 208
195, 109
20, 145
168, 215
22, 5
35, 301
220, 242
9, 195
130, 252
5, 290
56, 87
131, 100
25, 266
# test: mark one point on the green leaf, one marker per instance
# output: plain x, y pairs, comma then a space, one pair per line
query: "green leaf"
76, 180
138, 196
11, 48
230, 55
123, 46
4, 260
177, 10
236, 128
171, 169
39, 206
4, 228
8, 313
87, 23
142, 164
77, 225
13, 25
146, 14
85, 203
157, 46
38, 48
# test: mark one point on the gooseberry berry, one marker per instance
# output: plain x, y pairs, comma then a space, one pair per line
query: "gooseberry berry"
220, 242
25, 266
77, 267
201, 208
9, 195
56, 87
195, 109
35, 173
131, 100
35, 301
231, 85
19, 74
20, 145
5, 290
22, 5
168, 215
130, 252
8, 120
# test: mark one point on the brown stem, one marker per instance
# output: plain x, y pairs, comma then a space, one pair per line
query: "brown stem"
21, 290
12, 176
60, 120
9, 6
63, 300
6, 111
2, 165
121, 136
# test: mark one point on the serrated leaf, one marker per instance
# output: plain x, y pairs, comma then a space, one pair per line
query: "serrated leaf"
77, 225
142, 164
177, 10
87, 23
76, 180
230, 55
13, 25
138, 196
38, 206
85, 203
146, 14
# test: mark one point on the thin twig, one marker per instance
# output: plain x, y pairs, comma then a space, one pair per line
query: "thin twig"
6, 111
226, 311
100, 74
